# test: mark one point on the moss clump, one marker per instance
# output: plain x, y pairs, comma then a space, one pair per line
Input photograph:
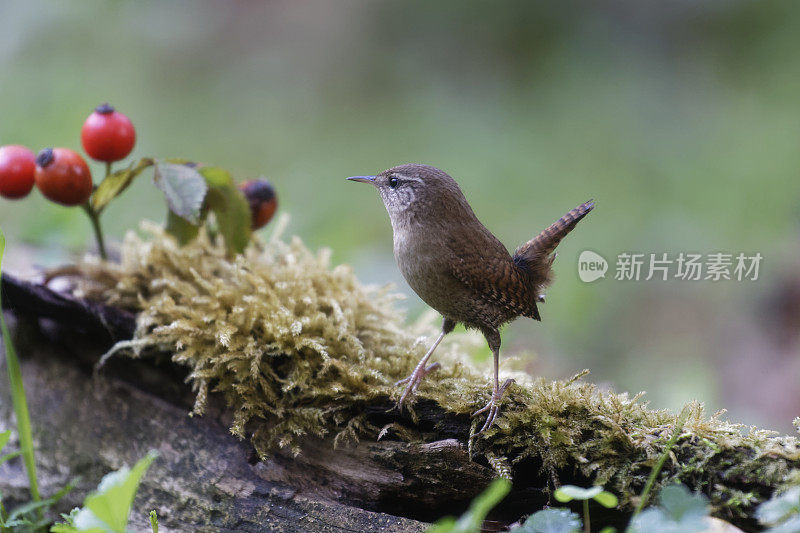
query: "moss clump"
299, 348
296, 347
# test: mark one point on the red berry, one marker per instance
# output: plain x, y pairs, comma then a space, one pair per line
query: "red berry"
63, 176
261, 196
17, 165
108, 135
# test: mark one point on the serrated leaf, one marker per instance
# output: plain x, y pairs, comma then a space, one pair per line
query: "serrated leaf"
568, 493
183, 187
111, 503
550, 521
230, 208
116, 182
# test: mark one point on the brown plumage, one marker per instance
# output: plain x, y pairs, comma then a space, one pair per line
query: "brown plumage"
459, 267
536, 256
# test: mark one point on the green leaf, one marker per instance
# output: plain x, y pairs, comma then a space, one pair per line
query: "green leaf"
444, 525
608, 529
17, 522
680, 503
679, 511
550, 521
18, 396
9, 456
567, 493
180, 228
792, 525
63, 528
471, 521
113, 184
606, 499
779, 507
230, 208
32, 513
184, 188
111, 503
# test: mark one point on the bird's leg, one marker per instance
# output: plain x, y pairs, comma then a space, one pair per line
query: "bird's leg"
420, 371
493, 407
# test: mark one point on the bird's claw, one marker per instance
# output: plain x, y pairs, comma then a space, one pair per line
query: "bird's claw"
493, 406
413, 382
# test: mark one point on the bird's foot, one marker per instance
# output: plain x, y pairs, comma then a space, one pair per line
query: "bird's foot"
413, 382
493, 407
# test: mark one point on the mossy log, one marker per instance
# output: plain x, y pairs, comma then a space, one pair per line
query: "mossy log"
86, 425
423, 465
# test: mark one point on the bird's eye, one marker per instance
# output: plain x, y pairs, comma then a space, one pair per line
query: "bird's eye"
393, 181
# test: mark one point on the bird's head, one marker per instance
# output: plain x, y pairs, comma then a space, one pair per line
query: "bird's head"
413, 190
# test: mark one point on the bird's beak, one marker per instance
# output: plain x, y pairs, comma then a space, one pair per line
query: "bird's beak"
363, 179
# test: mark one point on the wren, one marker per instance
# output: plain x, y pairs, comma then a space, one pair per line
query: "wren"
459, 267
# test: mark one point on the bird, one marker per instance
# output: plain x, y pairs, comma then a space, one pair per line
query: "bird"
459, 268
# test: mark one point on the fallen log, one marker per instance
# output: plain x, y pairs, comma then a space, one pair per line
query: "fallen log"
419, 465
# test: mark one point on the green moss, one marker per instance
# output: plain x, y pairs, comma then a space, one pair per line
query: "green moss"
299, 348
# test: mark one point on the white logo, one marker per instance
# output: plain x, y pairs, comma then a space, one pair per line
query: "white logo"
591, 266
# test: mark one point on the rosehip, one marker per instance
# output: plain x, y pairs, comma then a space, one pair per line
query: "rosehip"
17, 166
261, 196
63, 176
108, 135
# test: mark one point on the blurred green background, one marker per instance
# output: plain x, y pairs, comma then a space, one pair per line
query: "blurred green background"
682, 120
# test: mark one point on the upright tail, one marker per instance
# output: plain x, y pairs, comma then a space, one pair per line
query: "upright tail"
536, 256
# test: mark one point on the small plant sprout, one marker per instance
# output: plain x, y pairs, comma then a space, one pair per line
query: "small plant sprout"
568, 493
106, 510
550, 520
676, 433
679, 511
470, 522
154, 521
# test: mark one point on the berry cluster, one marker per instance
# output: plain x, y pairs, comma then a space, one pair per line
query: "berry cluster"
63, 177
61, 174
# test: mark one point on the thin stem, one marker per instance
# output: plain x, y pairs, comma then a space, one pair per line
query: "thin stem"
94, 217
661, 460
586, 527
